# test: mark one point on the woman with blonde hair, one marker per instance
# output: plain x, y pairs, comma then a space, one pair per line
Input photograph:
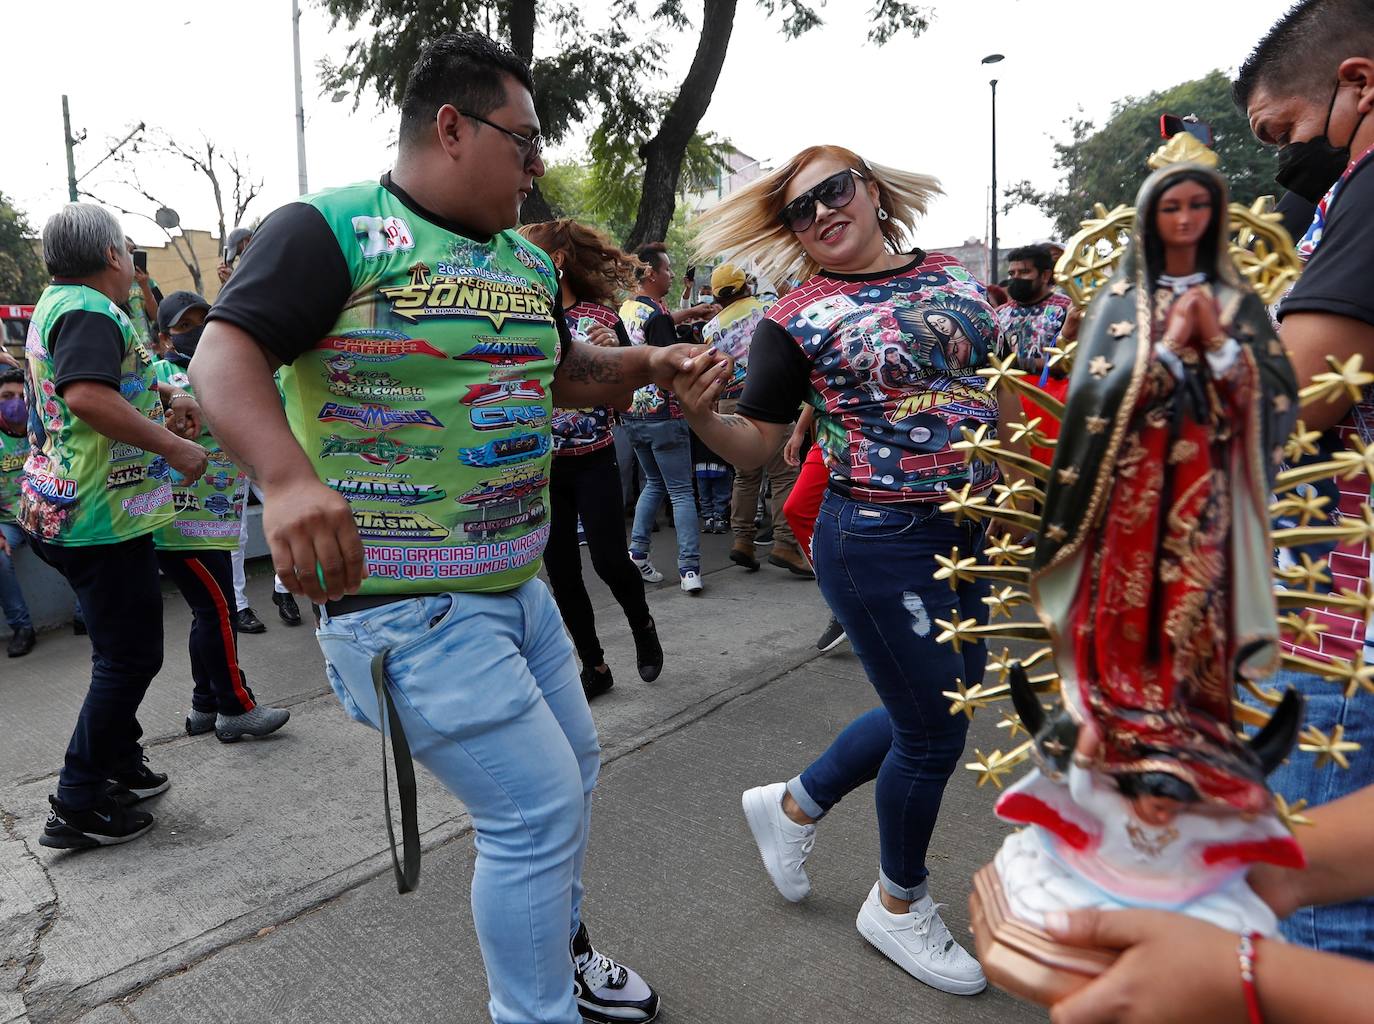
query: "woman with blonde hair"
843, 225
585, 479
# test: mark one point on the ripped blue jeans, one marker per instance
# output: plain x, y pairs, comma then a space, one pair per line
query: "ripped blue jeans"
876, 568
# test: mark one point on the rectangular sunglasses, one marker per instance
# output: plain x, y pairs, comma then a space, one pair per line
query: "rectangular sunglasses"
836, 192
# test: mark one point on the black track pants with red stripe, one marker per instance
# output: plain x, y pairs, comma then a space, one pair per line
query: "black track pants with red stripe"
205, 578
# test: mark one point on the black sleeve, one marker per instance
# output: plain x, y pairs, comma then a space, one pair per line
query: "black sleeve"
660, 331
779, 374
86, 345
157, 293
622, 336
1336, 279
290, 283
560, 320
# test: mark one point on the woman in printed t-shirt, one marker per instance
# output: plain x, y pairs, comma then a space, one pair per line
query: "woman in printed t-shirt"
866, 340
585, 479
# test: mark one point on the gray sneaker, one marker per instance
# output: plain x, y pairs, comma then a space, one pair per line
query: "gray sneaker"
198, 723
259, 722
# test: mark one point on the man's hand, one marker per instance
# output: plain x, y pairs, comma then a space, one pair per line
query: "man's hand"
667, 364
1171, 968
310, 530
791, 451
141, 276
188, 459
8, 360
224, 270
184, 417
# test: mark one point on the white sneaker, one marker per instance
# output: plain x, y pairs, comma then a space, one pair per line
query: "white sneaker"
783, 844
919, 943
691, 582
647, 570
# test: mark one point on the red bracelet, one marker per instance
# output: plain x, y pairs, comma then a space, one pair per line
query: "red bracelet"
1247, 951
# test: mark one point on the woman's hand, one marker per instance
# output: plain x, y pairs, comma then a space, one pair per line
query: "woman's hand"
791, 451
603, 336
1171, 968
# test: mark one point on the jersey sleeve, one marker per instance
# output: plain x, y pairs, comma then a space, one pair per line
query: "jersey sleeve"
290, 283
779, 374
1336, 279
86, 345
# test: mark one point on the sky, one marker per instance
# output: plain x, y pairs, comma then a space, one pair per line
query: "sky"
225, 69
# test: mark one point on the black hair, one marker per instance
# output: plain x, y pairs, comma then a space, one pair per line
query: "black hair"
728, 295
652, 255
1207, 246
465, 69
1036, 255
1301, 53
11, 375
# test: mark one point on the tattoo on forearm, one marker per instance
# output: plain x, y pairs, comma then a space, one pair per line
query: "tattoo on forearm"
586, 364
734, 422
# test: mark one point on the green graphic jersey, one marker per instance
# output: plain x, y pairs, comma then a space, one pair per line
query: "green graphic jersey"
80, 487
428, 403
209, 513
13, 452
138, 313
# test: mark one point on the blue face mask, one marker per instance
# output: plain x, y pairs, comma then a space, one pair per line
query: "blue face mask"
14, 415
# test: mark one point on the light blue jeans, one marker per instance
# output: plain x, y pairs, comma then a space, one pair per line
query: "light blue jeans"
11, 596
664, 451
489, 696
1345, 928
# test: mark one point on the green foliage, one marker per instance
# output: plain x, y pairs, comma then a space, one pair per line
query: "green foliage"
22, 274
1107, 165
571, 191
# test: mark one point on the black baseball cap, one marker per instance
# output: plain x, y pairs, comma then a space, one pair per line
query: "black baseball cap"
172, 308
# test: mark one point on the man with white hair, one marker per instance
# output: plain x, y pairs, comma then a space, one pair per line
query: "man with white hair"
96, 484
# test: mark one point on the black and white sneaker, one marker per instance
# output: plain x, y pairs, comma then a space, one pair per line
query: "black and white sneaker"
608, 992
137, 784
108, 823
832, 637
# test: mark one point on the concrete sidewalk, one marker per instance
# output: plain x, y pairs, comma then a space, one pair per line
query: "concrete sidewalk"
265, 892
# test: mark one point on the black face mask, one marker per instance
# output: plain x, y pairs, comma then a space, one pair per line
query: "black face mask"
185, 344
1023, 290
1309, 168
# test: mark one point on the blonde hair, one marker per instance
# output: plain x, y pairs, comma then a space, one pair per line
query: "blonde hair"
745, 225
594, 266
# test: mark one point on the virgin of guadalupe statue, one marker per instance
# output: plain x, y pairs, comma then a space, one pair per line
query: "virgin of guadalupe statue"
1152, 574
1153, 567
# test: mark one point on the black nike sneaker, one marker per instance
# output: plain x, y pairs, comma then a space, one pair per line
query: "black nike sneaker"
608, 992
134, 785
108, 823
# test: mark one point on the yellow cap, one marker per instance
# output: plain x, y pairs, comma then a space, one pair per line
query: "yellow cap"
727, 275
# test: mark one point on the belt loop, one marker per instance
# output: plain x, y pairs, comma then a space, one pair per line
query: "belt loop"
407, 874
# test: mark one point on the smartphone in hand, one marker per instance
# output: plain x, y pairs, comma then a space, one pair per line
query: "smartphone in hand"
141, 261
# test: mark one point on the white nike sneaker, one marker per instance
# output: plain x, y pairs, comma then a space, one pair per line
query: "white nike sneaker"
783, 844
691, 582
919, 943
647, 570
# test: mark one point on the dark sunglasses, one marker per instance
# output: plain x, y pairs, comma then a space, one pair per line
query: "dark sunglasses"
529, 145
836, 192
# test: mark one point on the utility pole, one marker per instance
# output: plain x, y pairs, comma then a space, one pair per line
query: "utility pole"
300, 102
70, 143
992, 244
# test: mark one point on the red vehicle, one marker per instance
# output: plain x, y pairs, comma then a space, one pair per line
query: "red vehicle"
15, 323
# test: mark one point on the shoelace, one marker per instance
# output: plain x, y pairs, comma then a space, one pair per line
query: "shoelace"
924, 926
600, 971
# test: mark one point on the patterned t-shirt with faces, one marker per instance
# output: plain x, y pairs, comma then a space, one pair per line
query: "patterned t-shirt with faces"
580, 431
890, 362
13, 452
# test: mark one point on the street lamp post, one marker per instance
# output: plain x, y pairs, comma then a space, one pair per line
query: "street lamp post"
300, 105
993, 58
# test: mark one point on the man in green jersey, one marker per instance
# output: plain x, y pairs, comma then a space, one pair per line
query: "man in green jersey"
406, 487
193, 551
97, 483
